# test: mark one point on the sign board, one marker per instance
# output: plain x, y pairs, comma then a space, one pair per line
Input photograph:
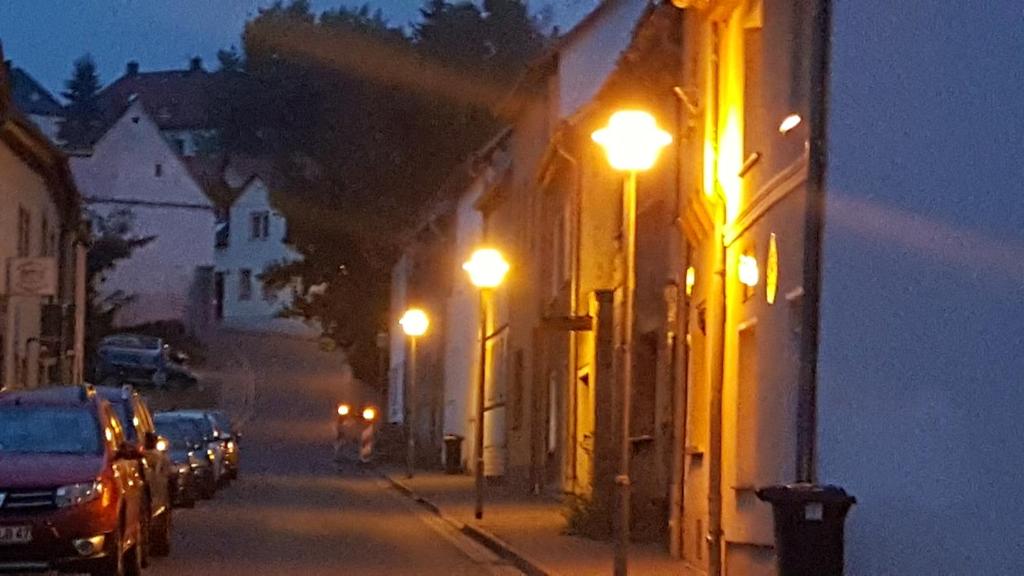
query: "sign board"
33, 276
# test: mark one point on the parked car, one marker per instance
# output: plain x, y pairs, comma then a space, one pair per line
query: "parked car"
216, 449
141, 360
71, 489
157, 469
193, 467
229, 434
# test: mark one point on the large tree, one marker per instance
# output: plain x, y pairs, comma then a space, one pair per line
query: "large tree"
366, 120
82, 121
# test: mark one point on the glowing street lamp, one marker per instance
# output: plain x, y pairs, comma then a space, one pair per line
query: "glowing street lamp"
632, 142
487, 269
414, 323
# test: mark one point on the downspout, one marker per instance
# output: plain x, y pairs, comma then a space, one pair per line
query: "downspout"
717, 360
574, 298
814, 221
679, 351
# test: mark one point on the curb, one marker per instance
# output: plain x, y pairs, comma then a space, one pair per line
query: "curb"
487, 539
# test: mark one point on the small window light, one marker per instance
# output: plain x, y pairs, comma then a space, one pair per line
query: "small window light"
748, 272
789, 122
691, 280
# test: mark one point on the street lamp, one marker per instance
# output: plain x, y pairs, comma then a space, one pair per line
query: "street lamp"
632, 142
487, 269
414, 323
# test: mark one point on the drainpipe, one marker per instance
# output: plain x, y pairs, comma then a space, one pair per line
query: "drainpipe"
814, 221
718, 285
574, 298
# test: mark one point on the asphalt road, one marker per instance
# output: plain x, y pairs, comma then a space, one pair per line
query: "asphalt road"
292, 511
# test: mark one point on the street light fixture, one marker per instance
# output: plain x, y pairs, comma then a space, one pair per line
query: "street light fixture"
632, 142
415, 323
487, 269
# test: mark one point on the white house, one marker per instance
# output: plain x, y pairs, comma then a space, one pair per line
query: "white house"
41, 261
253, 238
133, 168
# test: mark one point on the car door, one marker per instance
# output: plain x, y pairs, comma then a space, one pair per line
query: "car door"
127, 475
157, 465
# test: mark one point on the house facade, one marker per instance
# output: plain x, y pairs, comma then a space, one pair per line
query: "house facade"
42, 254
253, 238
132, 172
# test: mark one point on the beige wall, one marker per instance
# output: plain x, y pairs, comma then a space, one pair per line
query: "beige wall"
21, 187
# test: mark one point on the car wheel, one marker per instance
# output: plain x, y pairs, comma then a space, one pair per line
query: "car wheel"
113, 564
160, 536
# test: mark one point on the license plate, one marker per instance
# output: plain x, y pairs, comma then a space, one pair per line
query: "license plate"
15, 534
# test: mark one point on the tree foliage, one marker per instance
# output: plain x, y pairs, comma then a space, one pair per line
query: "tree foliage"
82, 121
366, 120
113, 240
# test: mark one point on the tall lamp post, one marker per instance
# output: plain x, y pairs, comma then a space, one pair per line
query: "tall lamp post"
487, 269
632, 142
414, 323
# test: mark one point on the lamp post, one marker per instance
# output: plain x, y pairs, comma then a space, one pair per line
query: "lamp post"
487, 269
414, 323
632, 142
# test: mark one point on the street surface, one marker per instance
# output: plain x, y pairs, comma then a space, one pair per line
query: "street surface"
292, 511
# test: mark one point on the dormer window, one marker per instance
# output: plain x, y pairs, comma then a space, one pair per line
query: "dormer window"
259, 225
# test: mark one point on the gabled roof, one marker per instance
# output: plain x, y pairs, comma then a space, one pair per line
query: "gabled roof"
29, 143
29, 95
175, 99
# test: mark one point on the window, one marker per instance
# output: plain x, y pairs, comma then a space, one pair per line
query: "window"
158, 170
245, 285
269, 294
24, 232
45, 237
259, 225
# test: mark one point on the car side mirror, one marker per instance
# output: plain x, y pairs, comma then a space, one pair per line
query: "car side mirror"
129, 451
151, 440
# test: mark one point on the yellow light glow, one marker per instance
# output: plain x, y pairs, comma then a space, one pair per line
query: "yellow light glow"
771, 272
161, 445
632, 140
749, 273
343, 409
790, 122
369, 414
486, 268
415, 322
691, 280
109, 434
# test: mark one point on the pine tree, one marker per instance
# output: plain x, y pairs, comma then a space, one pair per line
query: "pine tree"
82, 122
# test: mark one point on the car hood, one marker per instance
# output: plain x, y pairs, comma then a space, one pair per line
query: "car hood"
48, 470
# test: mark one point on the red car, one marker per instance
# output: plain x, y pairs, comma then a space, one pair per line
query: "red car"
71, 487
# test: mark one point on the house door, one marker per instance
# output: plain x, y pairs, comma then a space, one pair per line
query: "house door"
218, 295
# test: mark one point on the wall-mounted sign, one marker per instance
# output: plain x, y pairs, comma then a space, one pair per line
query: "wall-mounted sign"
33, 276
771, 270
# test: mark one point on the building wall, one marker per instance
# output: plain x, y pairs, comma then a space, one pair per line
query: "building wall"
256, 252
21, 187
462, 325
919, 396
133, 168
592, 54
397, 344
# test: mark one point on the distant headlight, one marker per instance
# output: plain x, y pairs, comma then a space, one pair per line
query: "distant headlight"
184, 469
73, 494
211, 455
231, 445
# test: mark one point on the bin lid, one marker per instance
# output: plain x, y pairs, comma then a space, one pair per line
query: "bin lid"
804, 492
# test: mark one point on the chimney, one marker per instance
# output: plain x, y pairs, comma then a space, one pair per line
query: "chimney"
196, 64
132, 69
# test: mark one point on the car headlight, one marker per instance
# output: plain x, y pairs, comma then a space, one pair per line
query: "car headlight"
184, 469
211, 454
231, 445
73, 494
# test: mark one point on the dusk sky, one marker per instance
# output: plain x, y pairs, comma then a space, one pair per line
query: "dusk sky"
45, 36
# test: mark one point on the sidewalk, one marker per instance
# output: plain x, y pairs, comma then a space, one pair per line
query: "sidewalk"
529, 531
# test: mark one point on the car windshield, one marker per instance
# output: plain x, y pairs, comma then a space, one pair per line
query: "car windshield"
133, 342
48, 430
180, 433
202, 426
